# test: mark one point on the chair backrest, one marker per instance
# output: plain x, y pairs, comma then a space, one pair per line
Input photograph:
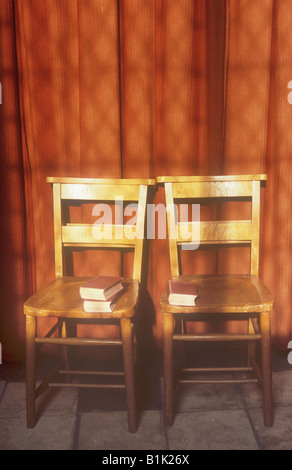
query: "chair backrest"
214, 232
112, 232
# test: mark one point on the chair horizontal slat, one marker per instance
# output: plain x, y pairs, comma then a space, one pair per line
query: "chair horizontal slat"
105, 192
114, 181
217, 369
218, 189
217, 381
195, 179
80, 341
223, 231
216, 337
91, 372
85, 235
80, 385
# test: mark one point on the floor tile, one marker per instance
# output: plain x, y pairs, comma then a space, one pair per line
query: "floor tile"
207, 416
277, 437
12, 404
206, 397
51, 433
58, 401
52, 402
104, 431
2, 387
282, 387
211, 430
282, 390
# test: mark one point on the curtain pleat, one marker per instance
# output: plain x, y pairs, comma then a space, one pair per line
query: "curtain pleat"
15, 267
141, 88
277, 241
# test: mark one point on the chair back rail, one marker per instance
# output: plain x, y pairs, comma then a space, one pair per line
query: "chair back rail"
106, 235
214, 232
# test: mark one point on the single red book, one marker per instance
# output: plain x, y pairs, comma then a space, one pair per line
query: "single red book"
101, 288
102, 306
182, 293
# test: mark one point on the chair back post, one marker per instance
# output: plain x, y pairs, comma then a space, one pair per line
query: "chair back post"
57, 209
141, 214
172, 230
255, 242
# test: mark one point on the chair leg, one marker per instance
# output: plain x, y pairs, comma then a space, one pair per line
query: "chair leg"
168, 326
65, 354
181, 350
128, 358
30, 371
251, 347
266, 367
66, 330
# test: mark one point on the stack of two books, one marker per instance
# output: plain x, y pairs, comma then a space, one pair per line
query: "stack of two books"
101, 293
182, 293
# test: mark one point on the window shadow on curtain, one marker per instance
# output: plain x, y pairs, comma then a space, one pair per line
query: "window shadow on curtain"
141, 88
17, 263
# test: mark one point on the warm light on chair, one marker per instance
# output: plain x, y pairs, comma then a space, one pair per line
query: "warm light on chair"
221, 297
61, 298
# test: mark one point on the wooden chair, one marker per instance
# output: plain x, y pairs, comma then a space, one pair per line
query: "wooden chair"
61, 298
220, 297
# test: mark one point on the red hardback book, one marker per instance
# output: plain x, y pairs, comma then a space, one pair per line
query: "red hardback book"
182, 293
102, 306
101, 288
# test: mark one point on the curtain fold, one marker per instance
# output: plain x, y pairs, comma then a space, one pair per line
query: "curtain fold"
141, 88
277, 241
16, 264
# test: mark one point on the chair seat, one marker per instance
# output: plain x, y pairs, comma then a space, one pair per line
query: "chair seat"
61, 298
224, 294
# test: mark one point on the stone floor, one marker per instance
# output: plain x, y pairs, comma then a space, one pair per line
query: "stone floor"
208, 417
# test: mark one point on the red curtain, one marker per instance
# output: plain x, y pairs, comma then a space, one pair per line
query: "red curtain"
140, 88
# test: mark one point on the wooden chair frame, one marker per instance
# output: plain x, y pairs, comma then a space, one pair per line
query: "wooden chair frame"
255, 310
66, 289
